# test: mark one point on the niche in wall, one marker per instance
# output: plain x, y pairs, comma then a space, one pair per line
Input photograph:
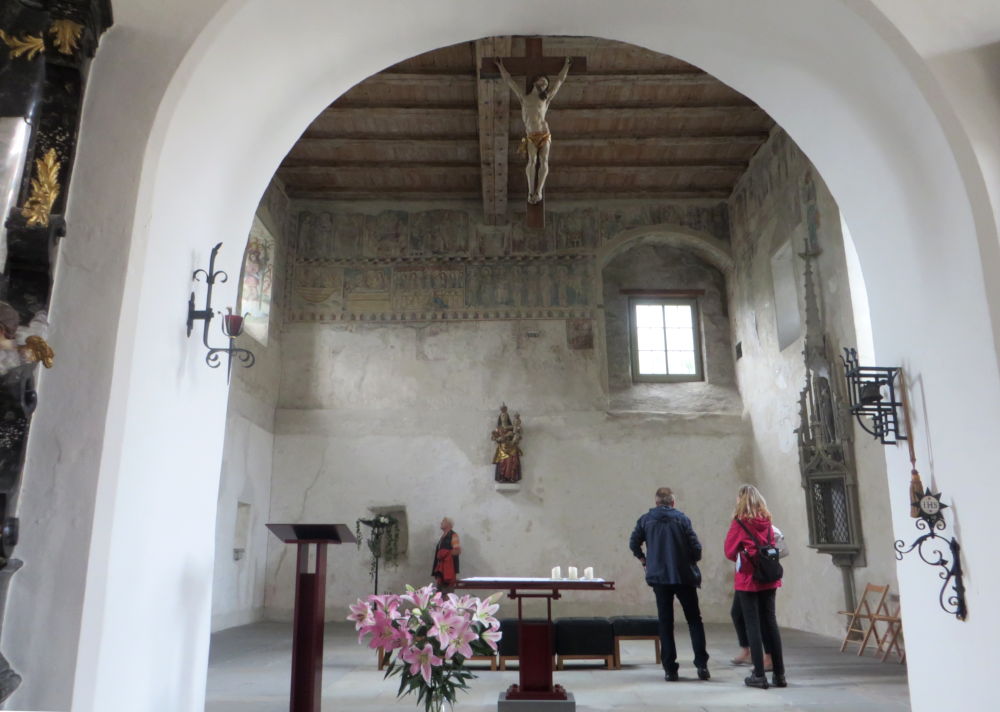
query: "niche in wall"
241, 535
399, 512
788, 318
650, 268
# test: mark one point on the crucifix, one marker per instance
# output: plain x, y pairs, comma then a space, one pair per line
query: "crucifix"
535, 99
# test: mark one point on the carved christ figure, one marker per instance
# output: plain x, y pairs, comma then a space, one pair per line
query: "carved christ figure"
538, 140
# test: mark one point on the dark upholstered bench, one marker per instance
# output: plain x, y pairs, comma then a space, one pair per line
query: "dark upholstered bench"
507, 648
584, 638
635, 628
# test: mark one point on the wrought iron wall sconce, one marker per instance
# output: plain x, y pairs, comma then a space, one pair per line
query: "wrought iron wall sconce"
931, 520
873, 394
232, 324
872, 391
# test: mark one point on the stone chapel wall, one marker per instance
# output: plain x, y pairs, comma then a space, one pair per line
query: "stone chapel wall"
652, 266
401, 342
245, 484
771, 205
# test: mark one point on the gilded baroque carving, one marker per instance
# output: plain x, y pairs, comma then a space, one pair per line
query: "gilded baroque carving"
66, 35
28, 46
44, 190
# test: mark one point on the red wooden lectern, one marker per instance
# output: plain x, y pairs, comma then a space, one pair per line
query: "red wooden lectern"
310, 601
535, 639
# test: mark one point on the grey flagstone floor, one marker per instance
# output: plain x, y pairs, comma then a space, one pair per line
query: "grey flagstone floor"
249, 671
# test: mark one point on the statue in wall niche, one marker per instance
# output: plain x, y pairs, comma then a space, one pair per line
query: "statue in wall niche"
20, 345
507, 456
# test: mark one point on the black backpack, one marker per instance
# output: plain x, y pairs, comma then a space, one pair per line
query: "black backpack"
766, 567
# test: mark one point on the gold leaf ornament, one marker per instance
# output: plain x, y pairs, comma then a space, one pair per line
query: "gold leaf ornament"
44, 190
66, 34
37, 350
28, 45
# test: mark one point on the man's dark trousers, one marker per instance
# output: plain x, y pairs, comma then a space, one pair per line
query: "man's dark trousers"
688, 597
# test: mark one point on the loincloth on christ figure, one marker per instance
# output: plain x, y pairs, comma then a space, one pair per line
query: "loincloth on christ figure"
540, 139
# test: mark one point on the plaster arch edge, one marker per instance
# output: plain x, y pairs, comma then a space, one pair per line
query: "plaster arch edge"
711, 249
165, 166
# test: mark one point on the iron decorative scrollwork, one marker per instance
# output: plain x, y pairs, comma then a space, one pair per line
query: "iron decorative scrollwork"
231, 327
872, 392
930, 520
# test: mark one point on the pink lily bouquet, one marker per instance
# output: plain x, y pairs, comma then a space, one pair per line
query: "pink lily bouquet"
429, 637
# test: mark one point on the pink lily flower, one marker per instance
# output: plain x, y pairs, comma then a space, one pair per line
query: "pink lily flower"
361, 614
491, 637
422, 660
461, 642
418, 598
384, 633
485, 610
446, 624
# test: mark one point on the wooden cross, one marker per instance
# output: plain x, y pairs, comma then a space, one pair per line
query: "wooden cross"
531, 65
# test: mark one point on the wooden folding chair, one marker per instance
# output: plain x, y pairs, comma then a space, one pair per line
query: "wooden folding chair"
892, 638
863, 618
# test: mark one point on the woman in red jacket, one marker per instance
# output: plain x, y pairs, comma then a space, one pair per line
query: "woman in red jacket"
756, 599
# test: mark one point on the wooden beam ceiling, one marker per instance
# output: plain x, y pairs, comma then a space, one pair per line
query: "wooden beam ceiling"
494, 131
637, 125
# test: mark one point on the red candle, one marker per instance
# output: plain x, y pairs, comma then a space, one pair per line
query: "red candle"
232, 324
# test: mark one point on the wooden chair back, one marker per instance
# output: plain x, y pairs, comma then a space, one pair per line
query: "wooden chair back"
861, 626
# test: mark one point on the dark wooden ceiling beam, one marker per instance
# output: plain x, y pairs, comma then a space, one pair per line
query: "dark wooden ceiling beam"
429, 113
414, 164
493, 103
468, 77
306, 165
366, 134
314, 142
382, 194
562, 194
664, 133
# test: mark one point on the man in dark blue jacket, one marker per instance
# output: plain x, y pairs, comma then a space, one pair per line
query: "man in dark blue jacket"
672, 553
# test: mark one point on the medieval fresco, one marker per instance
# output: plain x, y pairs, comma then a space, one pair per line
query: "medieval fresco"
580, 334
395, 265
258, 281
524, 289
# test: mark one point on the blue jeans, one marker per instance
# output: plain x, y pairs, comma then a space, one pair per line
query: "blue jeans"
688, 597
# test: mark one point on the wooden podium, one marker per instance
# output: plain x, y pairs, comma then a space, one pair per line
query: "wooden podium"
310, 601
535, 639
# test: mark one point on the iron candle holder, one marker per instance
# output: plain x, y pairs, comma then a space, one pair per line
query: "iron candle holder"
232, 324
873, 396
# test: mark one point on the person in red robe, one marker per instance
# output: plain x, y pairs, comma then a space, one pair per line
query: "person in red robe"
446, 557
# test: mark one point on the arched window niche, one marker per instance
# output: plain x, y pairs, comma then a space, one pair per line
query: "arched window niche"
675, 267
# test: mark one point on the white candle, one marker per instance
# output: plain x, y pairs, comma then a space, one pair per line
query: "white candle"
588, 573
572, 572
556, 572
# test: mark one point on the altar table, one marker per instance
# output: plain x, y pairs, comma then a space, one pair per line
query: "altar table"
535, 639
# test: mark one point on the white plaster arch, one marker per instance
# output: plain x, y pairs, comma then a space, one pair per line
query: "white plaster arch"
835, 75
707, 247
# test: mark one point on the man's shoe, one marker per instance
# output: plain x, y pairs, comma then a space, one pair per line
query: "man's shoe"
778, 681
752, 680
672, 676
704, 674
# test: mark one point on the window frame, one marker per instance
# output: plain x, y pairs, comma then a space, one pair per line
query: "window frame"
693, 302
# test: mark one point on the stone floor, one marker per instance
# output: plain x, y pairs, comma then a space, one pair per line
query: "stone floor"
249, 672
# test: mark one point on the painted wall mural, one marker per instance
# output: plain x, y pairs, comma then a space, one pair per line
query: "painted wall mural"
543, 288
258, 281
396, 265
